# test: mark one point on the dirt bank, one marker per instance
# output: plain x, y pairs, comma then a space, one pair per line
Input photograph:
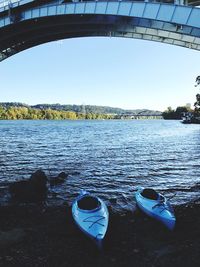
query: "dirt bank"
34, 235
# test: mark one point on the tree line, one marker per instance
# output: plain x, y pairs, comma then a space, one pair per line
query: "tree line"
84, 109
177, 114
27, 113
197, 103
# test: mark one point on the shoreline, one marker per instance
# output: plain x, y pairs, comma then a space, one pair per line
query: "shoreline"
37, 235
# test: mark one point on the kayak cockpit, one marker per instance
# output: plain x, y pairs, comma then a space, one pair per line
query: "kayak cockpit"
88, 203
150, 194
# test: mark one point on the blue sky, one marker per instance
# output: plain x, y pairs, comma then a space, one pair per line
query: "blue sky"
116, 72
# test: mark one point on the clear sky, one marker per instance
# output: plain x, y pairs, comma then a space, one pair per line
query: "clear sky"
115, 72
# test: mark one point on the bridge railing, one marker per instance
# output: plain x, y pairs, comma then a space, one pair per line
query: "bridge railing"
14, 3
8, 2
5, 4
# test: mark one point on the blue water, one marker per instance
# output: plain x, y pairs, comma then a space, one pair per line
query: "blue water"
109, 158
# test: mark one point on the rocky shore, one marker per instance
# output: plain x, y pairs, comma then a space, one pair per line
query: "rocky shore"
38, 235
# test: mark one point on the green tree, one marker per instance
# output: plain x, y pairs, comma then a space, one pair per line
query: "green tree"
197, 103
169, 114
1, 112
180, 111
177, 114
19, 112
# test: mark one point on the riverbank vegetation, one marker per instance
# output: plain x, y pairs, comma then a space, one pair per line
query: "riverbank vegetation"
197, 103
19, 111
85, 109
176, 114
180, 112
25, 113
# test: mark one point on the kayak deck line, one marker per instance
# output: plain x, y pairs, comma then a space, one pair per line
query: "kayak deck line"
166, 206
97, 221
161, 201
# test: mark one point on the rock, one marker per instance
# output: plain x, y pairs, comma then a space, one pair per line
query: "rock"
165, 250
11, 237
113, 259
62, 175
9, 258
59, 179
38, 181
32, 190
136, 250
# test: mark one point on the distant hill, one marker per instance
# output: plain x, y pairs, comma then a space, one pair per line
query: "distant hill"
85, 109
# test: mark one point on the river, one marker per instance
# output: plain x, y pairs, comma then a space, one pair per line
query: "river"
110, 158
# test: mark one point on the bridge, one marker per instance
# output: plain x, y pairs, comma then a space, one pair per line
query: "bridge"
27, 23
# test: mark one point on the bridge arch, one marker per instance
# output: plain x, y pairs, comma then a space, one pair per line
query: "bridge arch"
24, 25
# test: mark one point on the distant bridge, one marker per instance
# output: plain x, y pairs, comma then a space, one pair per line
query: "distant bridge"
140, 116
27, 23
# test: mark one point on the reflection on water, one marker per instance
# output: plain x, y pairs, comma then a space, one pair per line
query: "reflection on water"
110, 158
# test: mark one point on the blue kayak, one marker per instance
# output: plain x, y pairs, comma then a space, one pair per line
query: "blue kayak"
156, 206
91, 215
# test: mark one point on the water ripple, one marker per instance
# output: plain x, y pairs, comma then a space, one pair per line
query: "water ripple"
108, 158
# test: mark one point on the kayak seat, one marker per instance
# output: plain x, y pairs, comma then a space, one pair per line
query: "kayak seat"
88, 203
150, 193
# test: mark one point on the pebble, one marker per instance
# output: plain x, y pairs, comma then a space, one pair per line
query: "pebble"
9, 258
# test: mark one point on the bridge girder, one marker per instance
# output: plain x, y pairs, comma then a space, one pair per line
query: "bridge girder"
25, 27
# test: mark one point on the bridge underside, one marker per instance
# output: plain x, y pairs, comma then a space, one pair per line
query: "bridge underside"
25, 33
